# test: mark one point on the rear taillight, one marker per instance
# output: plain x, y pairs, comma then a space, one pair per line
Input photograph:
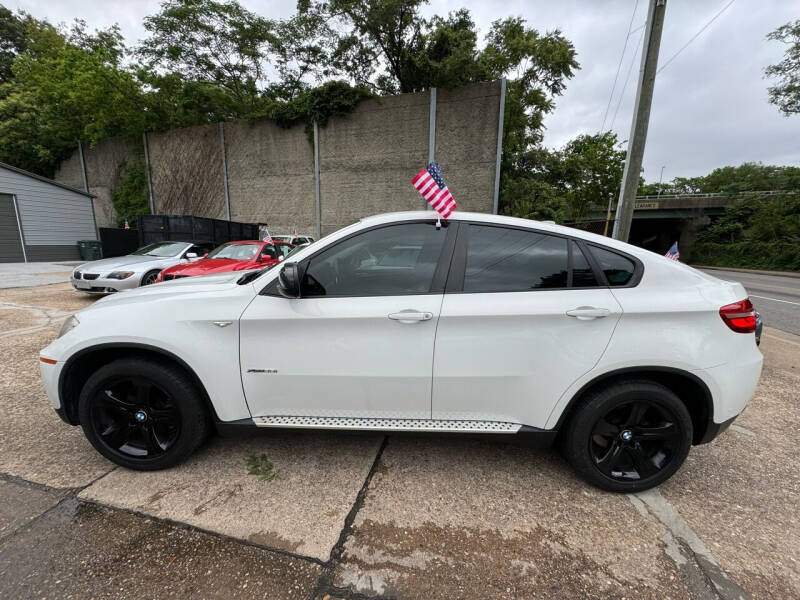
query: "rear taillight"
739, 316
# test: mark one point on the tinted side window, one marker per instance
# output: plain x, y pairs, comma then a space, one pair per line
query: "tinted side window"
617, 268
582, 274
389, 261
512, 260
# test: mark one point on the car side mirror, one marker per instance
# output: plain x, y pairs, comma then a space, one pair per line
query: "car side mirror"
191, 255
281, 258
289, 281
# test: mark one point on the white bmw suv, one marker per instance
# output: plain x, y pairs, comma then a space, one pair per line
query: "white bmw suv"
487, 324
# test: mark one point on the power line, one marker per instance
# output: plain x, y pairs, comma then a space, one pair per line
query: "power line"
637, 29
695, 36
624, 47
627, 77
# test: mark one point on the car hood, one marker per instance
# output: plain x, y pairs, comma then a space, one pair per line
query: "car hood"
170, 289
118, 262
211, 265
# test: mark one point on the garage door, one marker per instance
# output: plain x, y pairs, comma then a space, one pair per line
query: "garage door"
10, 244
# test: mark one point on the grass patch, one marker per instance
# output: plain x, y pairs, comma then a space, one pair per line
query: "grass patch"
261, 467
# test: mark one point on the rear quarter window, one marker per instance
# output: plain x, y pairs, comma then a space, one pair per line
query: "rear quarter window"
618, 269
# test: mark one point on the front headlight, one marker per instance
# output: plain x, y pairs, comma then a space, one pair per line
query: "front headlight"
120, 274
68, 325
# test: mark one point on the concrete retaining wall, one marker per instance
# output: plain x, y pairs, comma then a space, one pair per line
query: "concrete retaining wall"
367, 159
105, 163
186, 171
271, 175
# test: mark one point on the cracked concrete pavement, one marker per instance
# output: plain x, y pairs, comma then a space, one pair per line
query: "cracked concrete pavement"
358, 516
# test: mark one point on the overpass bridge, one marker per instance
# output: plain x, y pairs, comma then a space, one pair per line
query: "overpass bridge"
660, 220
683, 206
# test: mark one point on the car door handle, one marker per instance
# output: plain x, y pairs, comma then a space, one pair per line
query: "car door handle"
410, 316
587, 313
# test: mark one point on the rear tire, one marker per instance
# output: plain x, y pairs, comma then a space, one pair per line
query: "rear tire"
142, 415
629, 436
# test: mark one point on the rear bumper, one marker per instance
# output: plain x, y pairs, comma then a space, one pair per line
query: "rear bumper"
733, 384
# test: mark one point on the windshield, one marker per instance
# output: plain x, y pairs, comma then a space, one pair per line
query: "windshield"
235, 251
163, 249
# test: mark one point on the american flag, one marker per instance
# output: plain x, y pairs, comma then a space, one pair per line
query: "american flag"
431, 185
673, 253
266, 237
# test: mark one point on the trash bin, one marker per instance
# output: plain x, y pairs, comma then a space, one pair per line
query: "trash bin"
90, 249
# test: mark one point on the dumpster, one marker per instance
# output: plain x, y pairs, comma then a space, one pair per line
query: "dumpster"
90, 249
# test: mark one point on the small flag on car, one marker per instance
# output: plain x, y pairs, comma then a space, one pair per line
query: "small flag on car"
127, 226
266, 237
673, 253
430, 183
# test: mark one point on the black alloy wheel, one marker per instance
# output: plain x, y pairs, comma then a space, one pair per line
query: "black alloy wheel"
628, 436
634, 441
143, 415
135, 417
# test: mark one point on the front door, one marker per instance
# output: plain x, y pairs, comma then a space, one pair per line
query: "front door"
359, 340
524, 316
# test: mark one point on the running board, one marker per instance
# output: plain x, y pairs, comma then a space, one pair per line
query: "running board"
388, 424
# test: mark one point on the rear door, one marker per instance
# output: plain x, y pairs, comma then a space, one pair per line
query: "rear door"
525, 314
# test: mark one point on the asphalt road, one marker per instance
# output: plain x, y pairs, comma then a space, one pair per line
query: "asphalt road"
776, 297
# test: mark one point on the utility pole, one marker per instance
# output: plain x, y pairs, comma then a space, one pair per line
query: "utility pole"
641, 118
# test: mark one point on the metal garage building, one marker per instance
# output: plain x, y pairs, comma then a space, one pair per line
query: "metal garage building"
41, 220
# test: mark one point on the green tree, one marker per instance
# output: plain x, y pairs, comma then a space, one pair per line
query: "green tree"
130, 199
588, 172
747, 177
566, 183
66, 86
785, 94
13, 39
756, 232
213, 43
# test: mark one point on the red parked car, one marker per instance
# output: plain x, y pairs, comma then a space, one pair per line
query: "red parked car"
233, 256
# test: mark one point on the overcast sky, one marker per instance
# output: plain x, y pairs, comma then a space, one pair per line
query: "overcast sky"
710, 105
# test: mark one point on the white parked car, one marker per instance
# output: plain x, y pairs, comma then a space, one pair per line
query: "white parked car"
295, 240
489, 324
119, 273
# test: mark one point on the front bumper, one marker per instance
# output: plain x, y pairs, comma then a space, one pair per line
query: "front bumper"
712, 431
50, 374
104, 285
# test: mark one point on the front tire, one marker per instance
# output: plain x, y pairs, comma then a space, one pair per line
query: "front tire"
149, 278
629, 436
142, 415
